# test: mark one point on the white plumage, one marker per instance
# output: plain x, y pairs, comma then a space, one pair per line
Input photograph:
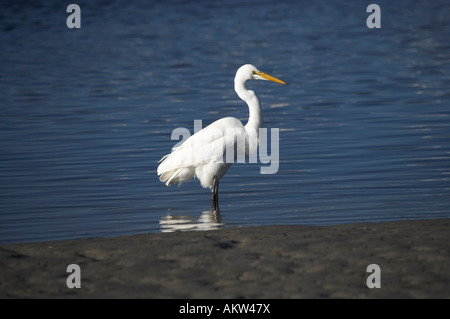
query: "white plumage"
204, 154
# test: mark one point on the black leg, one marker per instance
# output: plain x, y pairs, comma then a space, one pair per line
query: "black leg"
215, 195
213, 189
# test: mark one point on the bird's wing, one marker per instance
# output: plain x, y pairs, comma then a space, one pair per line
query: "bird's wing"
206, 146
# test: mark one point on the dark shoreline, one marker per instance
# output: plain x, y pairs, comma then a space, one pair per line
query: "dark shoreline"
248, 262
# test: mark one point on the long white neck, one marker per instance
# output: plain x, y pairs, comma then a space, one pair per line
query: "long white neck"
255, 118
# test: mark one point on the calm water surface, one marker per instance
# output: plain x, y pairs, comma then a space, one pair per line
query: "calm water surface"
86, 114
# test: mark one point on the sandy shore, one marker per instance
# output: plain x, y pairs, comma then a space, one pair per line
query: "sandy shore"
253, 262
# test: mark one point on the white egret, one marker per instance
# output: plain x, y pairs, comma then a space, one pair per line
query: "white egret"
202, 154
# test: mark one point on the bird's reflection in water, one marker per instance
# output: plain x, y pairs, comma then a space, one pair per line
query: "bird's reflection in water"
208, 220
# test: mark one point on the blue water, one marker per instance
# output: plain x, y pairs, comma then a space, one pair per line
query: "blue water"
85, 114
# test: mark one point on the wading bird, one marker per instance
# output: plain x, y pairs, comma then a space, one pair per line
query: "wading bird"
202, 154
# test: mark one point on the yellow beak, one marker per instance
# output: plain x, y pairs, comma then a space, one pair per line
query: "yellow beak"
269, 77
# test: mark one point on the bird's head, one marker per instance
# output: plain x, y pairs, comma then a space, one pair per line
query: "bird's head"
250, 72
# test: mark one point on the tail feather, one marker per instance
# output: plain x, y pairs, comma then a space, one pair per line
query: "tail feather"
163, 158
180, 176
172, 173
170, 176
